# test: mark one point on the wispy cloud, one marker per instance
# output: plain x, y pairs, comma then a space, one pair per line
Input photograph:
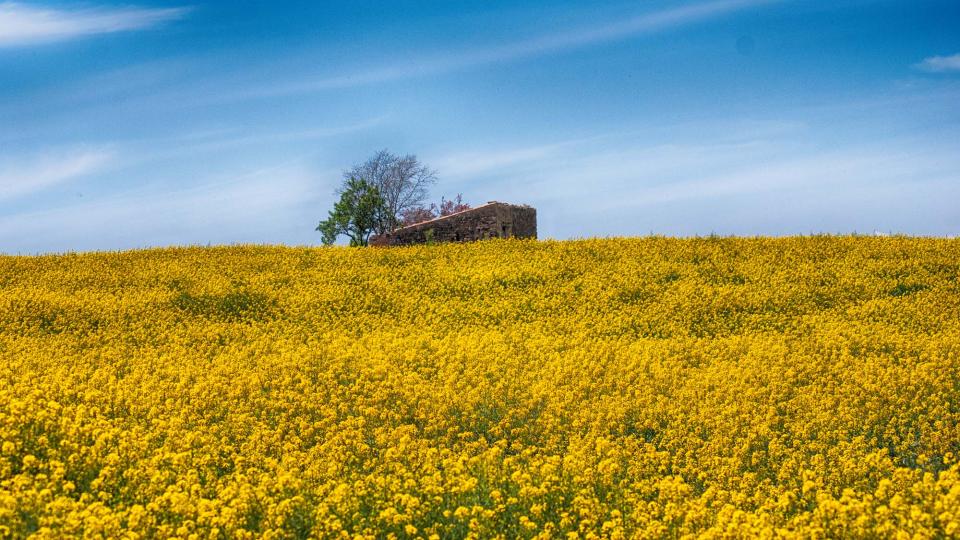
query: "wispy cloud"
697, 183
28, 175
258, 205
662, 153
216, 141
528, 48
940, 64
161, 84
22, 24
202, 143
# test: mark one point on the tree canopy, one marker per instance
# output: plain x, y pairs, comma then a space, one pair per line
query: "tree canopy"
357, 214
402, 181
382, 194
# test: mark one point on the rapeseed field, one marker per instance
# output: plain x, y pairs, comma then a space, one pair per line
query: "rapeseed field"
651, 388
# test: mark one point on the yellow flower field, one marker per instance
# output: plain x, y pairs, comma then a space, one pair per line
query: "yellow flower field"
650, 387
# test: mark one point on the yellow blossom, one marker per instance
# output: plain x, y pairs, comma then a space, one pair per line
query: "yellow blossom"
616, 388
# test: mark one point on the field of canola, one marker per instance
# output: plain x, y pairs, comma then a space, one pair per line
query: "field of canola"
649, 387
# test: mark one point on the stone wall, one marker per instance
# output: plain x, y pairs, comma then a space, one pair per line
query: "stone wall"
492, 220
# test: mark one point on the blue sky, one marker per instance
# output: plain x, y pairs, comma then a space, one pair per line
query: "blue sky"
132, 125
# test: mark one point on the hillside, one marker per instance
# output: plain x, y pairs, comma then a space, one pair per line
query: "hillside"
651, 387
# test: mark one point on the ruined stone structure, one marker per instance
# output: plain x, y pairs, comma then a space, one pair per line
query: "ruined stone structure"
492, 220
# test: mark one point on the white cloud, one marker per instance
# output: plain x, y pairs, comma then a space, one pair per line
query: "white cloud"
518, 50
22, 24
608, 184
161, 84
267, 137
464, 165
694, 184
254, 206
39, 172
940, 64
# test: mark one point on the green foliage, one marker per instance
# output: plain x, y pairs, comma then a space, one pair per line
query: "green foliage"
232, 306
355, 215
903, 289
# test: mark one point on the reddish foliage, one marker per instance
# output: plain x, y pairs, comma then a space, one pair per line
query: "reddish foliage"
420, 214
452, 206
415, 215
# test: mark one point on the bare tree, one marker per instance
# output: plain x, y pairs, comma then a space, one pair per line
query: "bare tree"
402, 181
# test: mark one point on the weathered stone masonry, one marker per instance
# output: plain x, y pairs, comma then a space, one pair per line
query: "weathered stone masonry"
492, 220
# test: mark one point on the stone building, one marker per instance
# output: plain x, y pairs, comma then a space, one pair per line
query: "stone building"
491, 220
